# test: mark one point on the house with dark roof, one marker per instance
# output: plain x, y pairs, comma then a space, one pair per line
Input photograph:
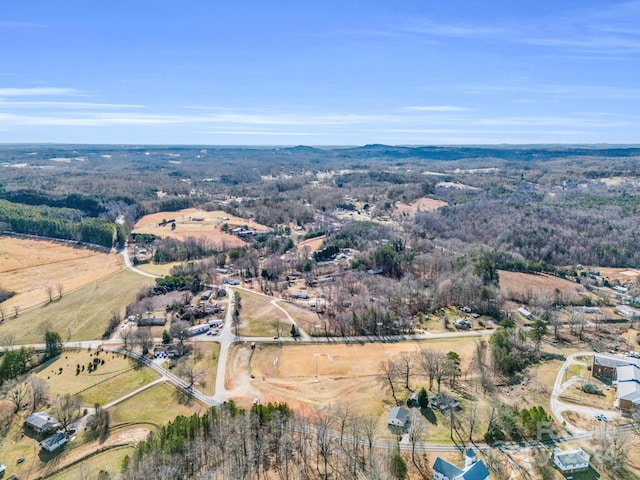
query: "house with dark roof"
398, 417
473, 469
41, 422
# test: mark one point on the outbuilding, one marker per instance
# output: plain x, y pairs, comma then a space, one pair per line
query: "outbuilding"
398, 417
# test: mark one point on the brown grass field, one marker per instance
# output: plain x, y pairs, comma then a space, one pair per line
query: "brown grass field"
346, 373
313, 244
418, 205
521, 282
208, 229
80, 315
28, 267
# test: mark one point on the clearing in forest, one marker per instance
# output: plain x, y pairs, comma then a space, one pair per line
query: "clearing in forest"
200, 224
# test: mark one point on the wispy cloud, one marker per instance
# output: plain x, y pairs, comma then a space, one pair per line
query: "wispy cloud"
37, 92
437, 108
264, 133
444, 29
66, 105
11, 24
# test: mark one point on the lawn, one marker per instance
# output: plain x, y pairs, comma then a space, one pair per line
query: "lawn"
161, 269
205, 357
80, 315
111, 380
158, 405
258, 316
109, 461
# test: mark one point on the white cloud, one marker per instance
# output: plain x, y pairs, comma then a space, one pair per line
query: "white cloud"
37, 92
66, 105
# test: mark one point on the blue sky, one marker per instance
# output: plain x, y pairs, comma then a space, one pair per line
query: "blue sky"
320, 73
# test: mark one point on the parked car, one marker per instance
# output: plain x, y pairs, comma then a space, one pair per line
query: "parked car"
599, 417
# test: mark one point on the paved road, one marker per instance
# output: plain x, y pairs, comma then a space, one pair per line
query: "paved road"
129, 265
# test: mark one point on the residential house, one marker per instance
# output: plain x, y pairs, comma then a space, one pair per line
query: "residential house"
570, 461
54, 442
41, 422
443, 402
473, 469
398, 417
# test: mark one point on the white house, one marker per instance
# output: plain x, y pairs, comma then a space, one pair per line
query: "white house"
54, 441
473, 469
398, 417
570, 461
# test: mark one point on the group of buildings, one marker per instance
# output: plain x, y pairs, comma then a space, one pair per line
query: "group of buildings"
624, 373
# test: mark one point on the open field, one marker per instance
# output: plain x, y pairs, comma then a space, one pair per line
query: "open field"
80, 315
258, 315
28, 267
110, 381
313, 244
345, 373
109, 461
161, 269
205, 356
541, 283
305, 317
157, 405
418, 205
186, 226
622, 275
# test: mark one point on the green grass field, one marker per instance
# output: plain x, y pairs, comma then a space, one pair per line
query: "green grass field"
80, 315
110, 461
110, 381
158, 405
258, 316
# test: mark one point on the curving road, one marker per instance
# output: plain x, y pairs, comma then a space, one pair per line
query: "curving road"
558, 407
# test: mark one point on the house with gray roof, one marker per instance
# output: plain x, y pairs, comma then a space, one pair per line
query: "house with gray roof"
570, 461
398, 417
604, 365
41, 422
628, 393
473, 469
54, 442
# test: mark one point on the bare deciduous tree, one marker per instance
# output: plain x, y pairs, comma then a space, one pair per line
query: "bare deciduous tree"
388, 376
433, 365
17, 392
66, 409
39, 391
186, 369
144, 338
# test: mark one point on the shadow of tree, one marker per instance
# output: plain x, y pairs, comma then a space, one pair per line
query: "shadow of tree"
429, 415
